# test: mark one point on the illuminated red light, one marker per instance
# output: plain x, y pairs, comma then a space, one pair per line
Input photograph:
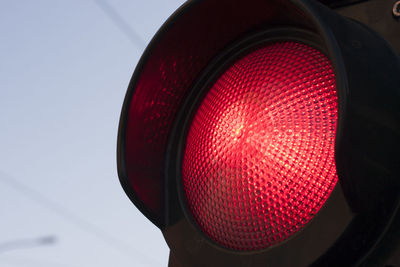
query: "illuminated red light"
259, 157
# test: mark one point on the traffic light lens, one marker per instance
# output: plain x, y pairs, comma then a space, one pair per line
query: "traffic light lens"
259, 161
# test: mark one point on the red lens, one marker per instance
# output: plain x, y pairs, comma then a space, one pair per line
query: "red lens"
259, 157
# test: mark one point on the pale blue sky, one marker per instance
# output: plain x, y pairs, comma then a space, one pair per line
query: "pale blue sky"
64, 70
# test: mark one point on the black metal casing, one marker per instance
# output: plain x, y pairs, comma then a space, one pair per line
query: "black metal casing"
360, 223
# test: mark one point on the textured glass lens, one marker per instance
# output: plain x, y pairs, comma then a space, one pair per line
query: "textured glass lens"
259, 162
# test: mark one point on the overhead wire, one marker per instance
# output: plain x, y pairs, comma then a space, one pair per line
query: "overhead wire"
27, 243
60, 210
75, 219
115, 17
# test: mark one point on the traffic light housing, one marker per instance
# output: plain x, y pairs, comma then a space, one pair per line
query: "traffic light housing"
219, 73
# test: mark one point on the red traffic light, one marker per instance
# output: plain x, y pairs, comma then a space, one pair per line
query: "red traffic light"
266, 132
259, 162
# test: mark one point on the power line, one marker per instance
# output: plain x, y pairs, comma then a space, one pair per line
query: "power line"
121, 23
27, 243
81, 223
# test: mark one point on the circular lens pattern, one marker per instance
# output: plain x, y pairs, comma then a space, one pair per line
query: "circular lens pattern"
259, 162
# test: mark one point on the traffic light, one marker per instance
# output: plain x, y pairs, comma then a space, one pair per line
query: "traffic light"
267, 133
